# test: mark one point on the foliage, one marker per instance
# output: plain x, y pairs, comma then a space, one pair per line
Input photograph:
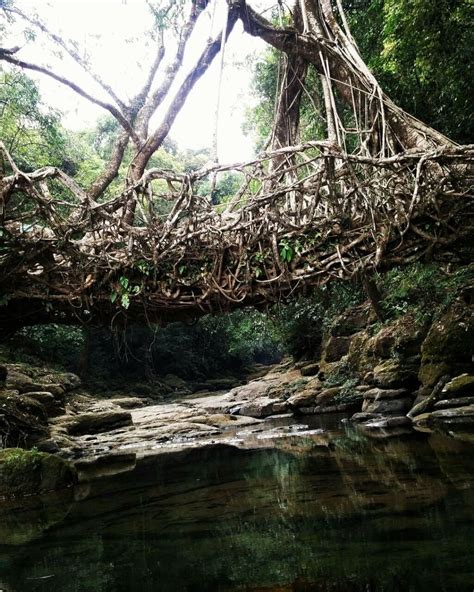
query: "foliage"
303, 320
55, 344
420, 51
17, 461
423, 288
342, 375
30, 130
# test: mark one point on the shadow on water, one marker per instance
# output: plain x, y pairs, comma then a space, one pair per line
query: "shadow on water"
313, 514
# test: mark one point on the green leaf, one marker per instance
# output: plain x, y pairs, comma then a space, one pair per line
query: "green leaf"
124, 282
113, 297
125, 300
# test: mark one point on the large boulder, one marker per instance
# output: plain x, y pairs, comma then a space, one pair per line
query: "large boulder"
453, 419
460, 386
397, 343
29, 472
387, 401
335, 348
353, 320
448, 347
393, 373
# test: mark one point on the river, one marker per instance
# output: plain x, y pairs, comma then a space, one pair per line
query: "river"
318, 510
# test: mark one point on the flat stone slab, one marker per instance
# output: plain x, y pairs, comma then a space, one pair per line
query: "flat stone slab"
93, 423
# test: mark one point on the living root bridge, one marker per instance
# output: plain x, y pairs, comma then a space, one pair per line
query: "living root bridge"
319, 214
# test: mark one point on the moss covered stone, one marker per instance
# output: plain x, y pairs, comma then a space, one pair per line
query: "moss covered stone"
459, 386
448, 346
30, 472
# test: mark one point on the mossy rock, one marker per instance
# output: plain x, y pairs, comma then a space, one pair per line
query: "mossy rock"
448, 346
400, 339
311, 369
21, 418
460, 386
360, 356
393, 374
353, 320
30, 472
335, 348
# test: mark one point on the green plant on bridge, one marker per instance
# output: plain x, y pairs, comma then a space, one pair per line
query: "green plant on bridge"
124, 290
288, 249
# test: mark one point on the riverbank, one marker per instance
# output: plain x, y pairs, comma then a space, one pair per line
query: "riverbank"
411, 373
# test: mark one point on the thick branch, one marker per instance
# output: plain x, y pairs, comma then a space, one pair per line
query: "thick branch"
111, 170
72, 52
7, 57
333, 54
152, 104
155, 140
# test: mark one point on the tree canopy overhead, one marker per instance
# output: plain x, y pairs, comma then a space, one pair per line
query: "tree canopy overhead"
283, 193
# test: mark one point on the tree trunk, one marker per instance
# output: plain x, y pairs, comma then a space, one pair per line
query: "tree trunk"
317, 38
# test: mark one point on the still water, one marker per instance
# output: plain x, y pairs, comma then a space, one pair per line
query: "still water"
323, 513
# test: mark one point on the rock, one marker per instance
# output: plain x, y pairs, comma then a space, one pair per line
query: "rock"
3, 374
424, 404
129, 402
403, 337
457, 402
29, 472
362, 388
387, 427
387, 406
335, 348
67, 380
389, 422
362, 416
400, 339
309, 369
46, 400
105, 466
175, 382
20, 418
448, 346
220, 384
18, 381
336, 408
303, 399
93, 423
457, 418
393, 374
353, 320
327, 395
260, 408
379, 394
459, 386
49, 445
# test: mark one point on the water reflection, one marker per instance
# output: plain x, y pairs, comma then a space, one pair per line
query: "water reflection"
327, 514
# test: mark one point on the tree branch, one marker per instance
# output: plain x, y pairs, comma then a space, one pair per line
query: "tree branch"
155, 140
7, 57
111, 170
73, 53
152, 104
